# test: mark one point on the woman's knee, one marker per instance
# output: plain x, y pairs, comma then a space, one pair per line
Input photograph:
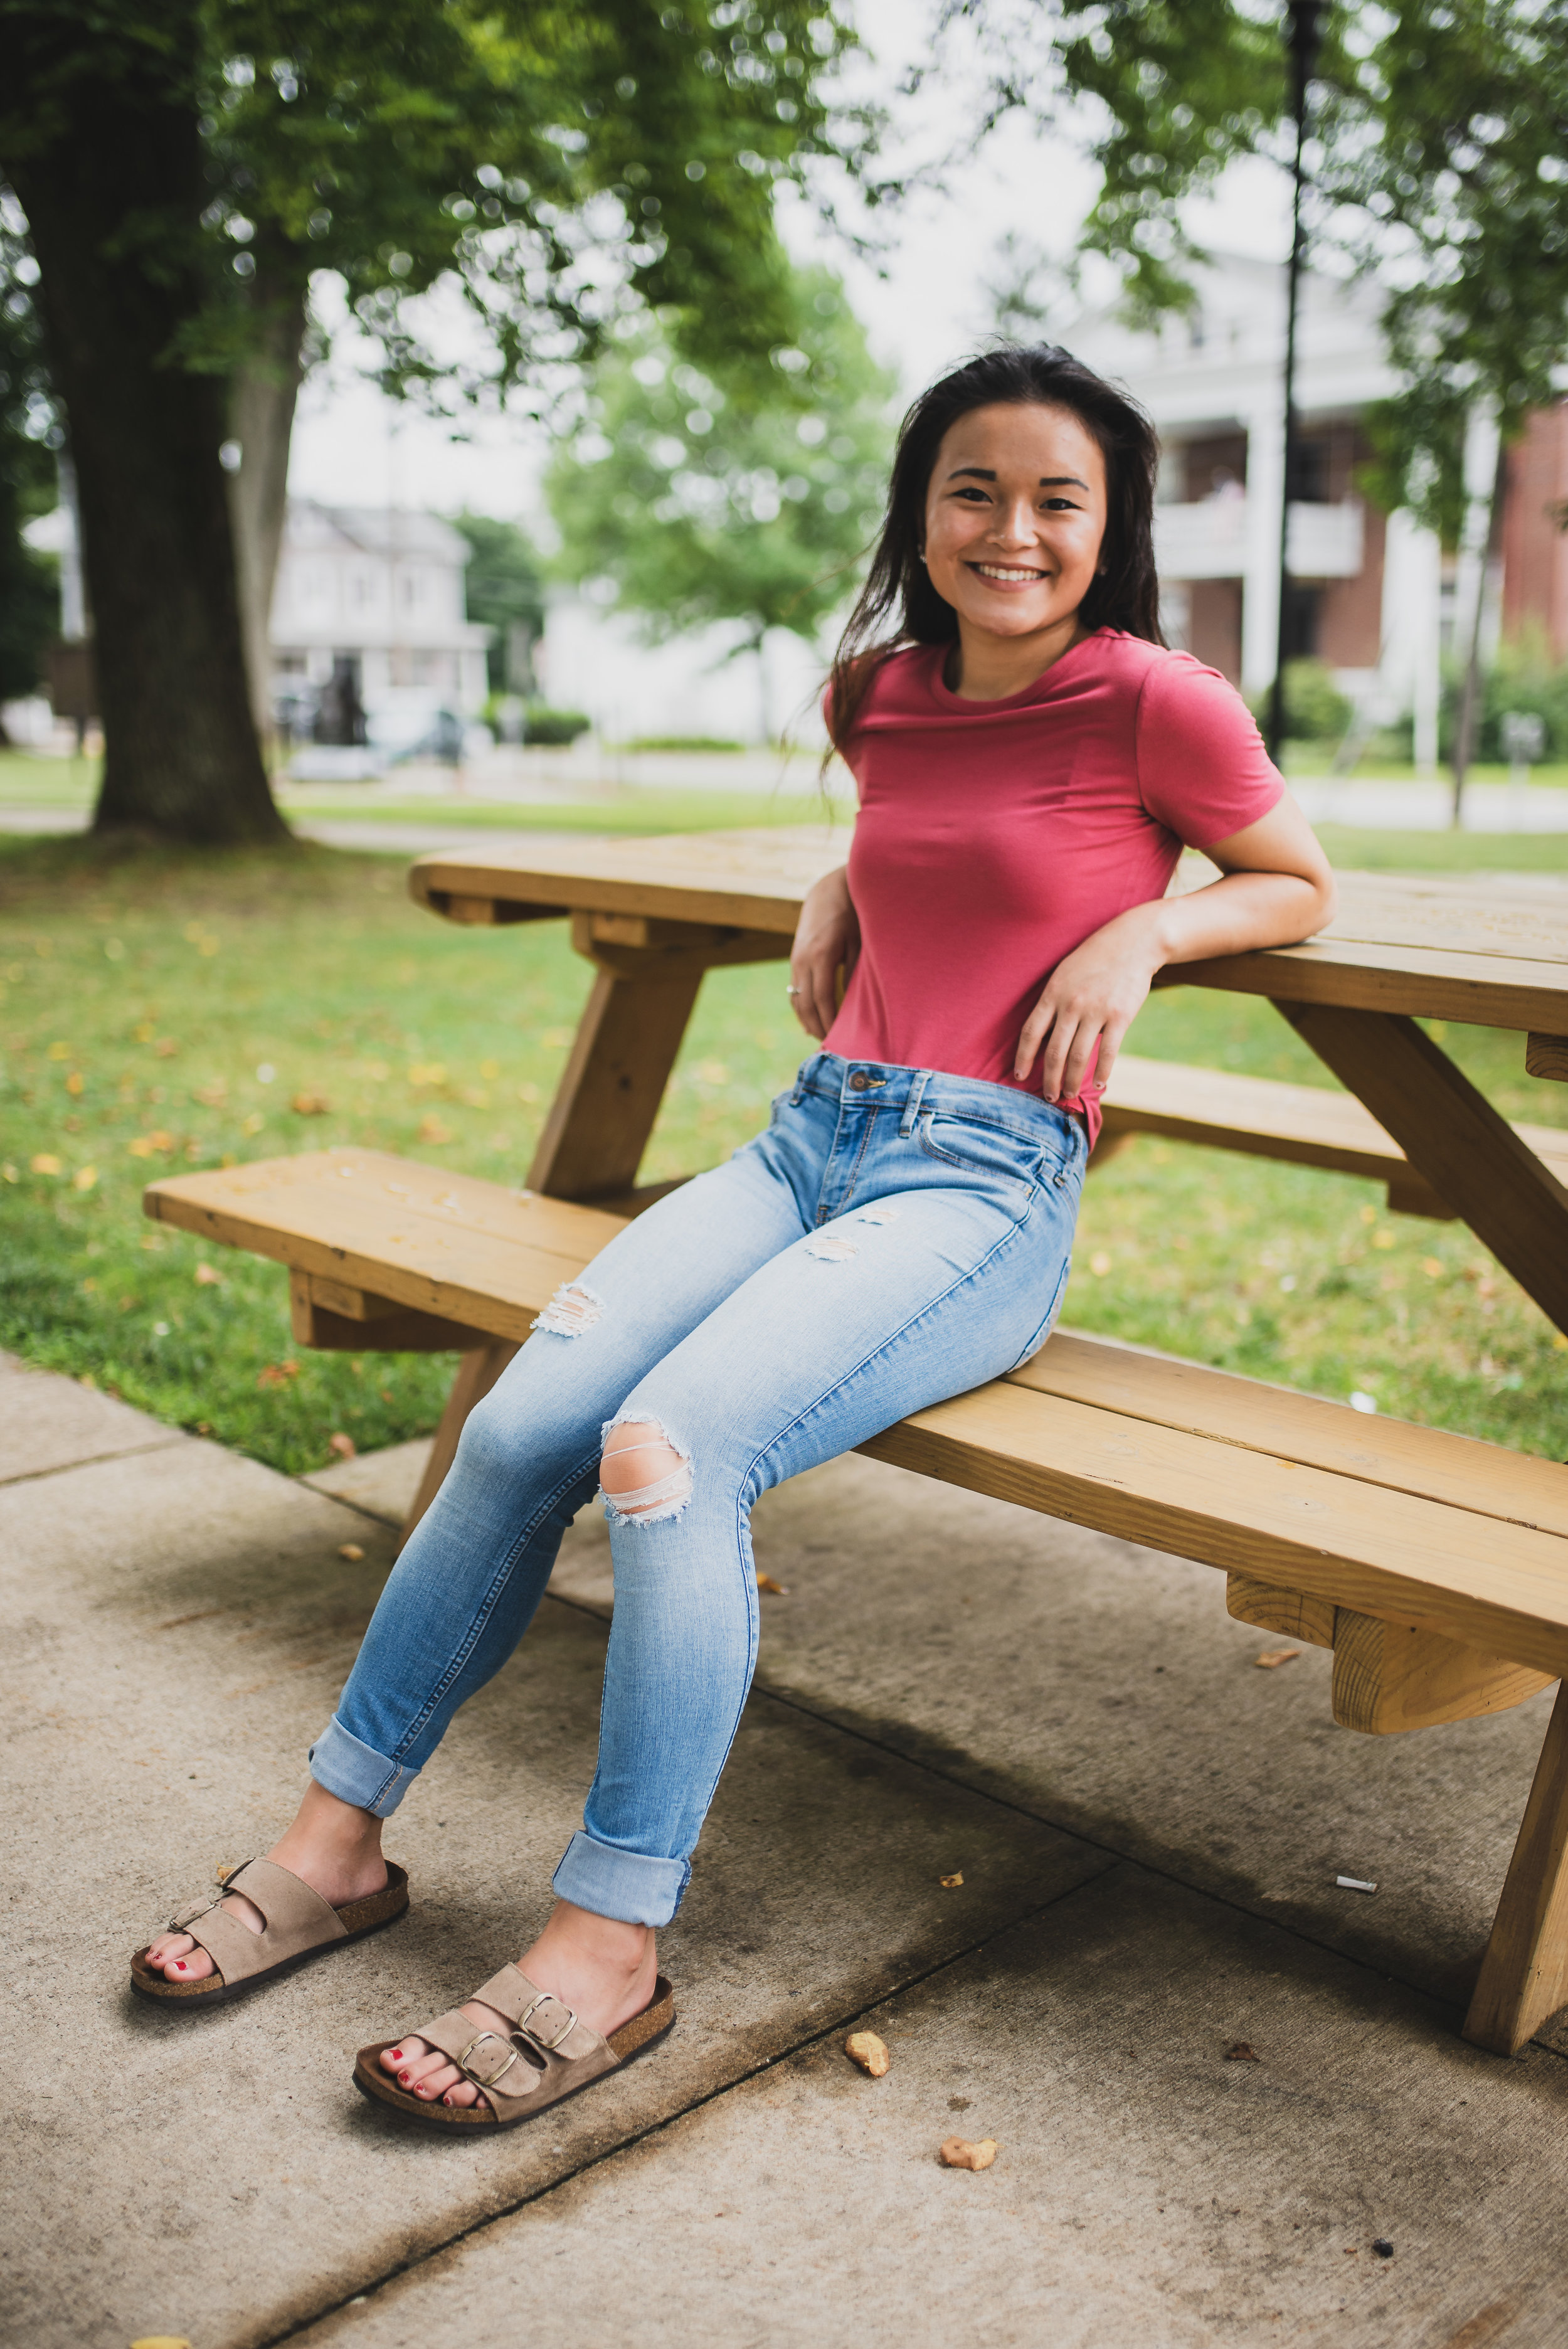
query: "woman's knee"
643, 1474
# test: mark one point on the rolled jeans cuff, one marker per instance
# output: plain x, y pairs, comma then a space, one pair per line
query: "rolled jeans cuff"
357, 1774
624, 1884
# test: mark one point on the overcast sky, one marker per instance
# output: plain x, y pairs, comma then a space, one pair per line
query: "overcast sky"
923, 307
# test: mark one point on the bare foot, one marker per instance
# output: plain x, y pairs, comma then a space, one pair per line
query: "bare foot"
604, 1971
333, 1845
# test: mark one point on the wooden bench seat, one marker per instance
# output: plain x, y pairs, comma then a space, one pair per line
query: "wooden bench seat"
1305, 1126
1436, 1567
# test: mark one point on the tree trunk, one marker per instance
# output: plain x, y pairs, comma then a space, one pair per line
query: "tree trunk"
262, 412
113, 199
1467, 724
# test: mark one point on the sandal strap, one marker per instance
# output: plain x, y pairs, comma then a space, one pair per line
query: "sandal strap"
547, 2048
296, 1918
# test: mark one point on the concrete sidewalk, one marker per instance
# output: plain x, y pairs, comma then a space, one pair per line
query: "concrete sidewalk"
1147, 1827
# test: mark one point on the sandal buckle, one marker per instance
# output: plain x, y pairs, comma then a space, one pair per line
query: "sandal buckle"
547, 1998
477, 2041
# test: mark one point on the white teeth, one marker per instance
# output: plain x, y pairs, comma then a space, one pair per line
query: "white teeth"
996, 571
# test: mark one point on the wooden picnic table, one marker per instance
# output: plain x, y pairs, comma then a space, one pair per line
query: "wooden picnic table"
1434, 1567
655, 914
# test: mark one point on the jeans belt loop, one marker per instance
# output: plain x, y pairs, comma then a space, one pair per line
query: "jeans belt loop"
802, 1078
912, 1106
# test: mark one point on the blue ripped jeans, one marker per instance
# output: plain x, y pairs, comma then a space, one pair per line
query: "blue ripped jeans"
894, 1237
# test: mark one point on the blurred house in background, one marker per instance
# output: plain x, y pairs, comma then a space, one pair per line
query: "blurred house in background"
1371, 596
370, 631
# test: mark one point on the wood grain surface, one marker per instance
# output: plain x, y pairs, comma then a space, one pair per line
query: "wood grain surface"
1472, 947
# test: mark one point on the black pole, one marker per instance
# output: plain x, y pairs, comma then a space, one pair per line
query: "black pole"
1305, 30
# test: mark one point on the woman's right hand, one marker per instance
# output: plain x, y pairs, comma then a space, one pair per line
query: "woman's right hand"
827, 940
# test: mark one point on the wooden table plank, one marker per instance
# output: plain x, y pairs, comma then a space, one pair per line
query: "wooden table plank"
1488, 953
1424, 982
752, 880
1288, 1425
449, 1245
1498, 1587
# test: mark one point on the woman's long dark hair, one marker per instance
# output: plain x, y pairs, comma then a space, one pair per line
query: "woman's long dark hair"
899, 605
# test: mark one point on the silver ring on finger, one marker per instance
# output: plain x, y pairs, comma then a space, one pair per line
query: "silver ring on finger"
791, 991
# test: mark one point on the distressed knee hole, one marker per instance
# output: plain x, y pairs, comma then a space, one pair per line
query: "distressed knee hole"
643, 1474
833, 1247
571, 1311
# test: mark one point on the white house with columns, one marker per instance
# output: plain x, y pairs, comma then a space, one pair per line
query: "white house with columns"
1367, 591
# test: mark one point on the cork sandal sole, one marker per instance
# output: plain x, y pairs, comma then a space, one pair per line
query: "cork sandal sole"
359, 1918
656, 2021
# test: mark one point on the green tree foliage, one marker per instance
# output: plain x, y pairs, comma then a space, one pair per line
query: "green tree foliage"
552, 159
561, 163
1440, 157
705, 497
505, 589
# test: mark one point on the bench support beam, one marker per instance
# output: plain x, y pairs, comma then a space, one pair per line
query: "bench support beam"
1388, 1675
1451, 1135
1523, 1976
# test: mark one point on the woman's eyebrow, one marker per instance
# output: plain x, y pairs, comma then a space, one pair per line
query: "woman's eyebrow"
1047, 481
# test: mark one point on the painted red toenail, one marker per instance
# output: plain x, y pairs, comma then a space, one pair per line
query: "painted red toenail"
179, 1965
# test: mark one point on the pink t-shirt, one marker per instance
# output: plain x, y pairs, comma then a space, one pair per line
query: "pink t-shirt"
994, 836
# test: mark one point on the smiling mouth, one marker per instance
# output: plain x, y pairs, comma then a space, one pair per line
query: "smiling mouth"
1008, 574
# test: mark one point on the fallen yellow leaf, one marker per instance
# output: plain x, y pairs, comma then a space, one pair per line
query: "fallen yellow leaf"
45, 1162
310, 1105
958, 2153
766, 1582
75, 1082
864, 2048
432, 1131
951, 1883
1275, 1656
1100, 1264
341, 1445
209, 1276
351, 1551
84, 1179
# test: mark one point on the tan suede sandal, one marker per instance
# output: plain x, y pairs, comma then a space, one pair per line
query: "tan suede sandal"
546, 2057
299, 1925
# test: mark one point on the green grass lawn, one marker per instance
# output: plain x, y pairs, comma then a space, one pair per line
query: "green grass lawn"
160, 1011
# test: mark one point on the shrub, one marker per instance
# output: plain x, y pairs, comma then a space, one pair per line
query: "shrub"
681, 742
544, 725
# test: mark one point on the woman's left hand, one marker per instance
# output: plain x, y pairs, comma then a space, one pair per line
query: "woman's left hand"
1090, 1000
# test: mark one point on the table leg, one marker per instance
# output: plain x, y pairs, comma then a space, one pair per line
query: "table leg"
1524, 1974
1453, 1135
600, 1120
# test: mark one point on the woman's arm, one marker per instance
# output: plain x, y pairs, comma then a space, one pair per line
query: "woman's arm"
827, 939
1277, 889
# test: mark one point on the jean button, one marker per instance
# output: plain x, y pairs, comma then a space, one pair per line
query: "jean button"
858, 1082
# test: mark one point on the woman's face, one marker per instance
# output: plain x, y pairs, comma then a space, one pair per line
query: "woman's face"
1014, 515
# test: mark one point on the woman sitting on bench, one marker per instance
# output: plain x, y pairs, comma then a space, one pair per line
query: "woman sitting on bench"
1030, 759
